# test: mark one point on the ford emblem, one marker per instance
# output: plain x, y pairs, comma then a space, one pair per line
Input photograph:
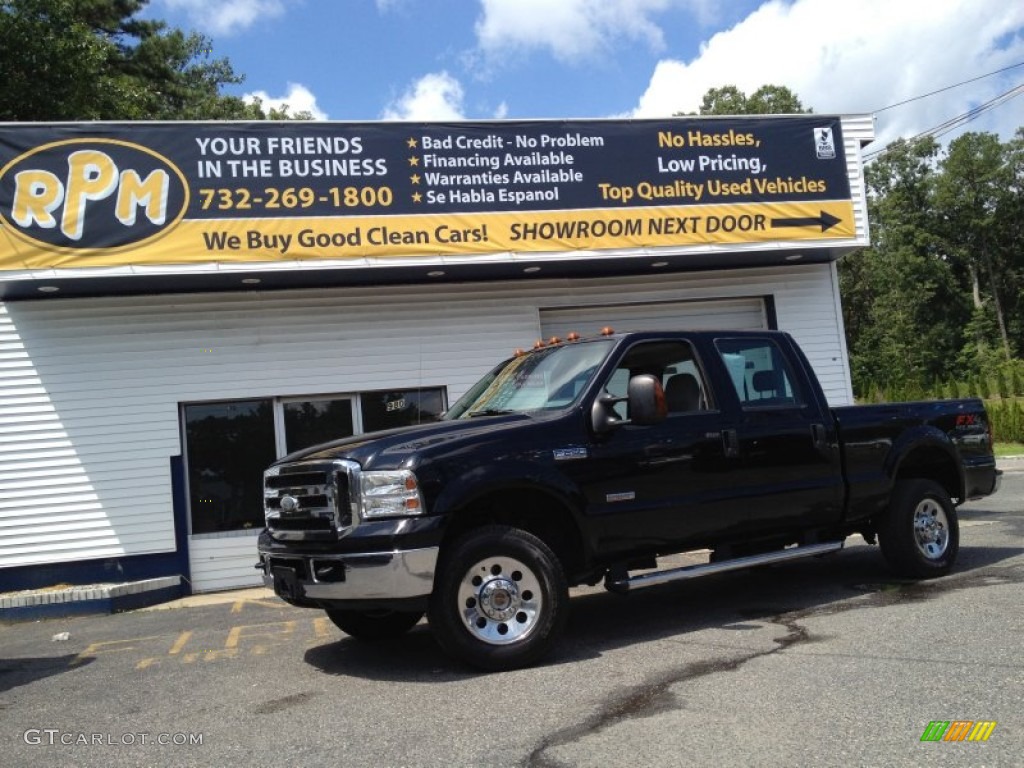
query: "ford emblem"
289, 505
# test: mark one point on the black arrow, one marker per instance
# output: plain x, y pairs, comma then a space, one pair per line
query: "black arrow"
826, 221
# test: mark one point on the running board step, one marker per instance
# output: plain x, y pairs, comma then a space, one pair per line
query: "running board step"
695, 571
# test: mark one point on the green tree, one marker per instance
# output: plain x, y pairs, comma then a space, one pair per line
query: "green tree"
775, 100
766, 100
968, 190
96, 60
1008, 234
901, 305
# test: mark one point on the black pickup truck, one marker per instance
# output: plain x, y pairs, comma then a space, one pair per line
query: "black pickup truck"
586, 460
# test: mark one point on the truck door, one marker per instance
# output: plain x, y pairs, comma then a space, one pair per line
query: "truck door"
655, 486
784, 467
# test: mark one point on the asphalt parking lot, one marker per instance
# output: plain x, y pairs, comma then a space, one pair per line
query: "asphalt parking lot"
823, 662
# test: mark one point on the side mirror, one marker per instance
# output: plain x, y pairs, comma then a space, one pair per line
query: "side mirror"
647, 405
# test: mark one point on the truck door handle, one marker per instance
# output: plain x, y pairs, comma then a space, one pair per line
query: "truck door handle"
731, 443
819, 436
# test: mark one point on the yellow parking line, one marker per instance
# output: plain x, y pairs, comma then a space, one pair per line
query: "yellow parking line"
321, 628
95, 649
275, 630
180, 643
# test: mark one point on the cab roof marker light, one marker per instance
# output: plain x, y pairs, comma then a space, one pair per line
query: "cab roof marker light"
607, 331
554, 341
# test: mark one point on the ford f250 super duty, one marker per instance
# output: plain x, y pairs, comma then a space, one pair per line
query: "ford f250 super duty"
586, 460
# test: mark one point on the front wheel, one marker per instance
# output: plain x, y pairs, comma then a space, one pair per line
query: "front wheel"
920, 535
500, 600
374, 625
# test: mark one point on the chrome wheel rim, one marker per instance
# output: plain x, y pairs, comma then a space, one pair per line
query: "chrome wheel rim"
500, 600
931, 529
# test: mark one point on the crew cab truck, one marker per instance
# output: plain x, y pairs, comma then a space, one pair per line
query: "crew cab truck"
587, 459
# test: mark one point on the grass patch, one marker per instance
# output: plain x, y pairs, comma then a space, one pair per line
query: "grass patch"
1009, 449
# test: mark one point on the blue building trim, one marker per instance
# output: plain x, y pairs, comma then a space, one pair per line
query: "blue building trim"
179, 502
114, 570
99, 606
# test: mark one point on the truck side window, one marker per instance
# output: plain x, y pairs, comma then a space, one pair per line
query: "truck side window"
759, 372
674, 363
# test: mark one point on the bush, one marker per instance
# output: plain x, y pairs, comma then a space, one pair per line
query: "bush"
1001, 385
1007, 420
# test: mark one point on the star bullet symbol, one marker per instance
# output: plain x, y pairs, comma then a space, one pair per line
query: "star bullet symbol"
415, 178
417, 197
414, 160
411, 143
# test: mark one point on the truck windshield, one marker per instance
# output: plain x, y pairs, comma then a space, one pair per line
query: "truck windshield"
548, 378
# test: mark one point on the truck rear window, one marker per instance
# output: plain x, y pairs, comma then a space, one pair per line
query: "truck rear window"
759, 372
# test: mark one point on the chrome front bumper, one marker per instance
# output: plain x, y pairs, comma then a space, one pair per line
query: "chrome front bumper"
362, 576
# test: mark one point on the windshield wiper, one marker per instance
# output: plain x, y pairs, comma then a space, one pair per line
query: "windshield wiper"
490, 412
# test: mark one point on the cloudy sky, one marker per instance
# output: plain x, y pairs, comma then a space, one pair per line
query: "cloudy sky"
522, 59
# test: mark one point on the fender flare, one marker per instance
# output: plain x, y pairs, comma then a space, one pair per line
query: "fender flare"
925, 438
509, 477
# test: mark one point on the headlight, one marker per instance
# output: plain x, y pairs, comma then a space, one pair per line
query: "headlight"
390, 494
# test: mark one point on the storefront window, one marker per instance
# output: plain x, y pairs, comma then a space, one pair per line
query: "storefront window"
311, 422
229, 445
400, 408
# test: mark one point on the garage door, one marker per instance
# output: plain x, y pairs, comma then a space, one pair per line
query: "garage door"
728, 314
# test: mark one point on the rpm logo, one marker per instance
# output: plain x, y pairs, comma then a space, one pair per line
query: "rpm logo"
91, 193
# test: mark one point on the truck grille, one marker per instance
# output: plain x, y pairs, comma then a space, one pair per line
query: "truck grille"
310, 500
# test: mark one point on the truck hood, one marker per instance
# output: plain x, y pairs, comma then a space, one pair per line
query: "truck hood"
390, 449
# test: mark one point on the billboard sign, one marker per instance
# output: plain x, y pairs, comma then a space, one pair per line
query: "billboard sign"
116, 194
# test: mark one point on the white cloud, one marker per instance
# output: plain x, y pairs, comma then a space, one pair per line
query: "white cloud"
859, 56
436, 96
298, 98
224, 17
572, 30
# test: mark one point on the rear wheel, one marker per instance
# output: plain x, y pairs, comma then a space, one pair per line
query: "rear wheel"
500, 600
374, 625
920, 535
